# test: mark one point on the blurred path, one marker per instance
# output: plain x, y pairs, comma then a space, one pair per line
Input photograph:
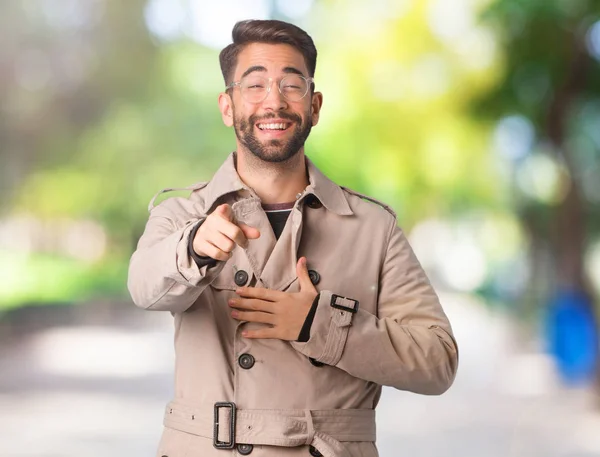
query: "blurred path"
93, 380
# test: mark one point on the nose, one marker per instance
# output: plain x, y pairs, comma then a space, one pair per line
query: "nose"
275, 100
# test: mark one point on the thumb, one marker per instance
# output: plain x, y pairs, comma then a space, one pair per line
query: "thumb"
303, 277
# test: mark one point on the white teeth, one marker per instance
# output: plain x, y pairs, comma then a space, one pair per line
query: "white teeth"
272, 126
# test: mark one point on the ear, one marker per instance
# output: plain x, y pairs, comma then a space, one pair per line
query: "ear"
226, 108
316, 103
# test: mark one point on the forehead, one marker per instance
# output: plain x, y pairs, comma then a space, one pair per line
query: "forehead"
274, 57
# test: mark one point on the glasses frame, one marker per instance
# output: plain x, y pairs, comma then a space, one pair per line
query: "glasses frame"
309, 81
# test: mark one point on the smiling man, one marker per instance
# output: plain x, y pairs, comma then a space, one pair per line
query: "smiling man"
294, 299
278, 135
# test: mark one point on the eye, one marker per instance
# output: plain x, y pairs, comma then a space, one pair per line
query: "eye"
254, 83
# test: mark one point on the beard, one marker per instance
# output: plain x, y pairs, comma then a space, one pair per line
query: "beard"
274, 151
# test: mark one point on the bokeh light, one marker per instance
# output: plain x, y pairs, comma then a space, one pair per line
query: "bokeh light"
514, 137
593, 40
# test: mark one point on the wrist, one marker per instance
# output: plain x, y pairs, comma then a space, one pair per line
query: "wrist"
199, 258
304, 335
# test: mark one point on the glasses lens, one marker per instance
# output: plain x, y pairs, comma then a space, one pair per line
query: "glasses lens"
293, 87
254, 88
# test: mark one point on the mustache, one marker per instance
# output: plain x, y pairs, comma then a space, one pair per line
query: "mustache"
287, 116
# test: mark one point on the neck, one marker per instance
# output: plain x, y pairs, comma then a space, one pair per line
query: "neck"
273, 182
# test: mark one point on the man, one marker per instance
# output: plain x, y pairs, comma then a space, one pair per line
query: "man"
294, 299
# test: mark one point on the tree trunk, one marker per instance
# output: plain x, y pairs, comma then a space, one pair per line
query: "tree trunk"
569, 231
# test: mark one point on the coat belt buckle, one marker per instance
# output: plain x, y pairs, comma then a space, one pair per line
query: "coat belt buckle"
352, 309
224, 444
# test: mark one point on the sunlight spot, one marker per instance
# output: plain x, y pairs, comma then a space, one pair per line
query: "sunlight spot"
212, 22
514, 137
165, 19
593, 40
295, 9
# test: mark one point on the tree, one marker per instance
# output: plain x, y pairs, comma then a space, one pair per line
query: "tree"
553, 82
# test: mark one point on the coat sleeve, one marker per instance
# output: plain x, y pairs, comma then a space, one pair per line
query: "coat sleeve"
409, 345
162, 274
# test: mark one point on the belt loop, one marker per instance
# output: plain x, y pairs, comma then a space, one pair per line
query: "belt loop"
310, 427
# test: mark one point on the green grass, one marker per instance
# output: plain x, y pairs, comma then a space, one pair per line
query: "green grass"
39, 279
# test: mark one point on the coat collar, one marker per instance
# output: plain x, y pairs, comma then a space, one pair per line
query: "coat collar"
227, 180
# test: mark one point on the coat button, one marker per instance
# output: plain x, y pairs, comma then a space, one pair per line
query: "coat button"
246, 361
315, 362
314, 276
313, 202
244, 449
241, 277
314, 452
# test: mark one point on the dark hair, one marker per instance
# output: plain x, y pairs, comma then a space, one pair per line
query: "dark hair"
270, 32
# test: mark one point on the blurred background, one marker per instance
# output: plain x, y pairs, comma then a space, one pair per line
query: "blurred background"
478, 121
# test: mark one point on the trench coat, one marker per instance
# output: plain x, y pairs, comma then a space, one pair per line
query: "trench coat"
378, 322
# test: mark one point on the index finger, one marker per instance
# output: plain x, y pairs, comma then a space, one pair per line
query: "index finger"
261, 293
232, 231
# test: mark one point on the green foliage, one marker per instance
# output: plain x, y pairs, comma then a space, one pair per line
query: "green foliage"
406, 119
41, 279
541, 38
386, 132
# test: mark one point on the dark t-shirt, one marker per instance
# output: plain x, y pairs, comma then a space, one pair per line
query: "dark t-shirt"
278, 214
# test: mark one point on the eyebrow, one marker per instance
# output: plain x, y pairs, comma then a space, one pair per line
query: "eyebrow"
289, 70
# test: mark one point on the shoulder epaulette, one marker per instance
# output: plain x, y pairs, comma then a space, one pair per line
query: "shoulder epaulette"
193, 187
383, 205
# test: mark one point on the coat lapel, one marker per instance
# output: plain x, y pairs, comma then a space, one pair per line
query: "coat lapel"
273, 261
250, 212
280, 270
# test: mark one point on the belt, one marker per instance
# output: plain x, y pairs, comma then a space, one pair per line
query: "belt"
227, 425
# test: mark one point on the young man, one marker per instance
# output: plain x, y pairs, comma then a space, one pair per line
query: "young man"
294, 299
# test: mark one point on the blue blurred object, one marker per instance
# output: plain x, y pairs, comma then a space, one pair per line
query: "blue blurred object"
572, 336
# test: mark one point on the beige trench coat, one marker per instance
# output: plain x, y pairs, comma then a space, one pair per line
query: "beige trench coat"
378, 322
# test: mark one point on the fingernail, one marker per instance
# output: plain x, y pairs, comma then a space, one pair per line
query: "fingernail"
234, 314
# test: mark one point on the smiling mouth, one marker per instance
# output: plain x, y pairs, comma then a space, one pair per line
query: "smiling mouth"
273, 126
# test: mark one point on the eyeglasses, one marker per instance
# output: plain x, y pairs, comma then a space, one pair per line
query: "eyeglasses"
255, 89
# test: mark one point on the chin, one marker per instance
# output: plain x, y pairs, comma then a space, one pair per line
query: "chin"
274, 155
